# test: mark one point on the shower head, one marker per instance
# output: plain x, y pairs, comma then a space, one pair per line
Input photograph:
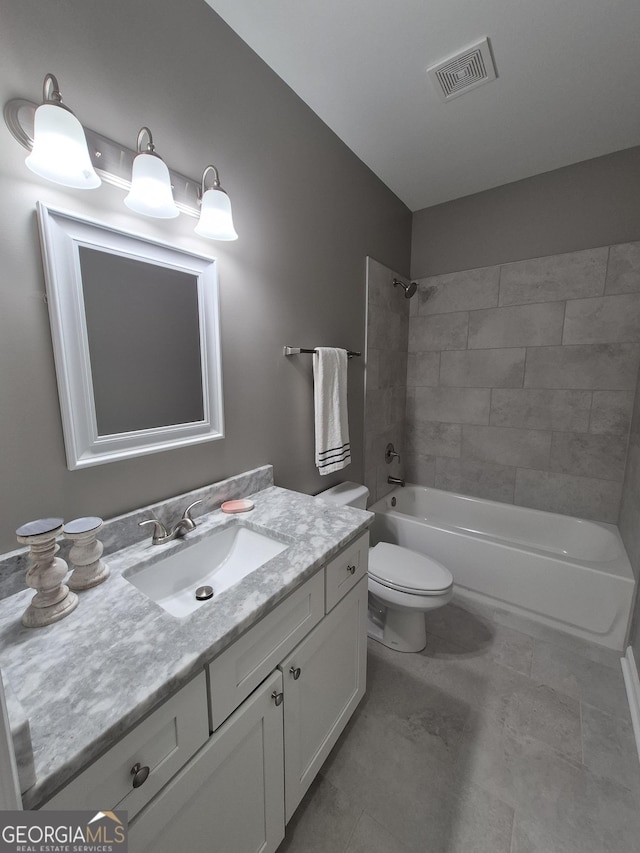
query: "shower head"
409, 289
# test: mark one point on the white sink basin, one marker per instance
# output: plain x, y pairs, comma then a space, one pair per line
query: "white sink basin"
219, 560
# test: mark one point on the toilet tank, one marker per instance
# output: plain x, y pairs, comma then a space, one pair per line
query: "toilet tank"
347, 494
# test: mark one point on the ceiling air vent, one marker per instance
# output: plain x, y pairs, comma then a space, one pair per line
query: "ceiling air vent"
464, 71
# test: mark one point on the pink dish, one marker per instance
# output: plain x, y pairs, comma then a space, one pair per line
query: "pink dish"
237, 506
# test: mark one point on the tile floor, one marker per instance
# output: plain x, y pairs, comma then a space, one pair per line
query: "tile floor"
502, 736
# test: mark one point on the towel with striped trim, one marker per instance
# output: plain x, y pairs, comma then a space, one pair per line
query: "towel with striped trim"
333, 450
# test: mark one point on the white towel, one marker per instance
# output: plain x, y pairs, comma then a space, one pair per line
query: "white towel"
333, 450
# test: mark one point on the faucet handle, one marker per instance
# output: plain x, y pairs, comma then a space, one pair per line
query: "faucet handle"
159, 530
186, 515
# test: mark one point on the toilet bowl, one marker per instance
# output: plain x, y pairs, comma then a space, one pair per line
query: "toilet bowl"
403, 585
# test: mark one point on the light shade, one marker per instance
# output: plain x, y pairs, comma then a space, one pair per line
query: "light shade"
60, 151
150, 192
216, 221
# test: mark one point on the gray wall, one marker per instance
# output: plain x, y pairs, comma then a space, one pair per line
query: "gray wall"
589, 204
522, 378
296, 275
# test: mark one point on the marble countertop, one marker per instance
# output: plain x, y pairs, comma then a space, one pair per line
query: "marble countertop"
85, 680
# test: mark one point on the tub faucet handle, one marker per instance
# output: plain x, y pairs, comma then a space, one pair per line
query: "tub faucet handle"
390, 454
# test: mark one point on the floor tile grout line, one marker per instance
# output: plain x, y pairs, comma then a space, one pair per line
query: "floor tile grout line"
512, 848
624, 718
353, 832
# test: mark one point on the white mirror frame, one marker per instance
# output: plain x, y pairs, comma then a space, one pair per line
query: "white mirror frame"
62, 234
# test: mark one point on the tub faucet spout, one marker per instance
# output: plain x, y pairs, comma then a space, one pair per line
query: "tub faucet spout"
395, 481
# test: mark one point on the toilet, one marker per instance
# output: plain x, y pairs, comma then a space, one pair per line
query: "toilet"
403, 585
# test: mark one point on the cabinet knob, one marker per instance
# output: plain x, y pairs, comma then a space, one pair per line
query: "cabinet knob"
139, 774
295, 672
277, 697
351, 569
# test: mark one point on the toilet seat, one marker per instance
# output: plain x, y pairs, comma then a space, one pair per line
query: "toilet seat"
407, 571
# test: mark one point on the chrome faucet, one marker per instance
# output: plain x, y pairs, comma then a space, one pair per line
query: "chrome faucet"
160, 533
395, 481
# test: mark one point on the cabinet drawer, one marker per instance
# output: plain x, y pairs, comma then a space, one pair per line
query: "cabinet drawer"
345, 570
163, 742
239, 669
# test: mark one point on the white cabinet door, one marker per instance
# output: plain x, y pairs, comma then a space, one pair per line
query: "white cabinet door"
230, 797
324, 679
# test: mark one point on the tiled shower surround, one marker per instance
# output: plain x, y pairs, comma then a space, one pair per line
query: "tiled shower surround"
386, 378
521, 380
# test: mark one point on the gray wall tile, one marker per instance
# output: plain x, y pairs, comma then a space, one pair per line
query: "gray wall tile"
506, 446
459, 291
420, 469
473, 414
491, 368
522, 325
386, 370
452, 405
554, 278
433, 438
623, 271
601, 456
608, 319
438, 332
423, 368
392, 369
585, 497
384, 408
480, 479
611, 412
377, 403
597, 366
541, 409
373, 365
387, 329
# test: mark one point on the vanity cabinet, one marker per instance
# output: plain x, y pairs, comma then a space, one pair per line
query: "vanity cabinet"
231, 754
324, 680
230, 797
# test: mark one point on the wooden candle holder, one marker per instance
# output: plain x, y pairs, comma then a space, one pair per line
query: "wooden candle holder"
88, 569
53, 599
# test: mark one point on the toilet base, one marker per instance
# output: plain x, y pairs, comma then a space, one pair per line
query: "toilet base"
399, 630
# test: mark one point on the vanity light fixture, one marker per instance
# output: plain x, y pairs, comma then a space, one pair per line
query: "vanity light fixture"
95, 157
60, 151
216, 221
150, 192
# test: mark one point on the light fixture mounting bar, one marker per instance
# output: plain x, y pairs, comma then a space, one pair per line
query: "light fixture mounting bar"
111, 160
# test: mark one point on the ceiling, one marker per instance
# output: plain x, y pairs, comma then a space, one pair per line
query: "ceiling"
568, 86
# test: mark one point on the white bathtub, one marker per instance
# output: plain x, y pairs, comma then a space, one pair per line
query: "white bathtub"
566, 572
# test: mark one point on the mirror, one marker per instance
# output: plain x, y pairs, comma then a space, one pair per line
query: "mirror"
135, 329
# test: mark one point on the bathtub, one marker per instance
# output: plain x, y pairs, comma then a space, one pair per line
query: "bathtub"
568, 573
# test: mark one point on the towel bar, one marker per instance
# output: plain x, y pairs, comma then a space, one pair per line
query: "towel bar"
298, 350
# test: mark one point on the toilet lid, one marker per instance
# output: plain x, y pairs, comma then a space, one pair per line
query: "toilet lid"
407, 570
